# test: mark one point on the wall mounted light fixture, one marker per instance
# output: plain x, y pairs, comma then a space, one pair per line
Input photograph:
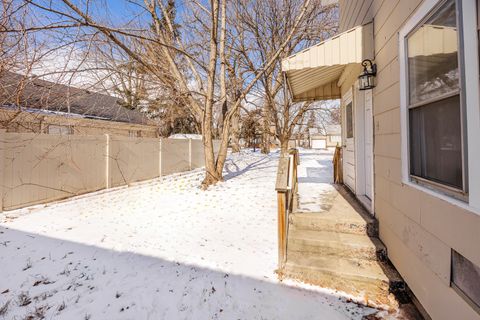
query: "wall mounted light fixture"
367, 78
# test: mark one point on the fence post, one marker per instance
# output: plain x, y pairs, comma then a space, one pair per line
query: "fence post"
107, 161
160, 157
190, 154
2, 167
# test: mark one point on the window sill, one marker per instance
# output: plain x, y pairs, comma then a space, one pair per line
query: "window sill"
440, 188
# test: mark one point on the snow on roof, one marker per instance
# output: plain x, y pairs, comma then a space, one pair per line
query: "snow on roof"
186, 136
49, 112
62, 99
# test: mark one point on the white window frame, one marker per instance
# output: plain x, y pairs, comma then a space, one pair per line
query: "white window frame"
467, 25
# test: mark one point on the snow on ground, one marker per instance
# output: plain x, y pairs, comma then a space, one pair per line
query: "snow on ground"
162, 249
315, 178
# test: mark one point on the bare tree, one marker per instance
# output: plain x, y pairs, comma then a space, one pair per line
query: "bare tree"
251, 127
272, 20
19, 51
196, 82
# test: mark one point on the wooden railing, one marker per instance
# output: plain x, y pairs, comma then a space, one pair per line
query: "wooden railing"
287, 190
337, 165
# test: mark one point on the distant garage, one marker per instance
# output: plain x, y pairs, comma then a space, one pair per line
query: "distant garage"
319, 142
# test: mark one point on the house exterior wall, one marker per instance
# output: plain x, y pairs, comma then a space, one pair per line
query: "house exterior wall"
354, 13
25, 122
331, 141
418, 228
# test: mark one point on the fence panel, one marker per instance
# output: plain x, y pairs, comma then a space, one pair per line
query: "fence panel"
175, 156
40, 168
132, 160
198, 156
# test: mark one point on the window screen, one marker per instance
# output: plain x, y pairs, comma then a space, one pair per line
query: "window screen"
349, 116
435, 142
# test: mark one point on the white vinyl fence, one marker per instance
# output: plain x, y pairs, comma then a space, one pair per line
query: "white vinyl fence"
39, 168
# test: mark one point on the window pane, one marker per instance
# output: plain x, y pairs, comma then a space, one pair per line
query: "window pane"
436, 143
432, 56
349, 116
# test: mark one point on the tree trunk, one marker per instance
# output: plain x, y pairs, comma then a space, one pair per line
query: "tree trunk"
223, 74
266, 128
283, 146
235, 142
211, 176
222, 152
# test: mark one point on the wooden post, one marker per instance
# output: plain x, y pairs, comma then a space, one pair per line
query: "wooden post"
293, 182
337, 165
282, 245
282, 189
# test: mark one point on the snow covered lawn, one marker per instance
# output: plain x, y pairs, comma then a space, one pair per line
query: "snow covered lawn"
162, 249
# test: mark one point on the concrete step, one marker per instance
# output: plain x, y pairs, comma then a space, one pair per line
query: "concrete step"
377, 282
335, 244
321, 221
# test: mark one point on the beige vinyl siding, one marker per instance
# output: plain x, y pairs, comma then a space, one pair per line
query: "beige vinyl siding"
354, 13
418, 229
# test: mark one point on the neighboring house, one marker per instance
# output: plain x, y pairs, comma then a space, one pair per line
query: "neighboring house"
318, 141
34, 105
411, 150
298, 140
334, 135
332, 138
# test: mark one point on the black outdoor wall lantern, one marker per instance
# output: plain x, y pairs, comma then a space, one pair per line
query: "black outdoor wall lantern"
367, 78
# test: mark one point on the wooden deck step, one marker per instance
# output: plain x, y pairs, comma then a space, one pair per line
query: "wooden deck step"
330, 243
322, 221
377, 282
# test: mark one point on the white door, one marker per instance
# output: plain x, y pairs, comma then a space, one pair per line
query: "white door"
349, 146
368, 144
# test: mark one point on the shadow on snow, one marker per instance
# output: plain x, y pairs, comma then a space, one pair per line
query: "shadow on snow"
67, 280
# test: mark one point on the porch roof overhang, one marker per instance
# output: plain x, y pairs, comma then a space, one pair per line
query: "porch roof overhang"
316, 73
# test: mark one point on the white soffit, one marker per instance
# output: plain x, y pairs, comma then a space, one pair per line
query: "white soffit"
313, 73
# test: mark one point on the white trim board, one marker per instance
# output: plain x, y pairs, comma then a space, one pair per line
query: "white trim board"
349, 161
